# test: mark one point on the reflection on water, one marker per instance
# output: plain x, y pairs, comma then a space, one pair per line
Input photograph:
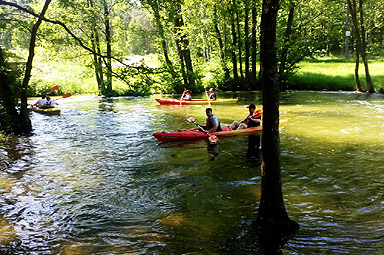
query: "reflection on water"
95, 181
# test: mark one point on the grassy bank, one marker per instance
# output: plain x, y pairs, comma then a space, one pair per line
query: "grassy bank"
335, 74
76, 76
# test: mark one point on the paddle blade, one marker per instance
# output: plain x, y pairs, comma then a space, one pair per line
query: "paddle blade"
191, 119
54, 88
213, 139
67, 95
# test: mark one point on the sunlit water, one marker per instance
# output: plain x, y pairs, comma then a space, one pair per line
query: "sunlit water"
95, 181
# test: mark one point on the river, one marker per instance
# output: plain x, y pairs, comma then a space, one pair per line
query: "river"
95, 181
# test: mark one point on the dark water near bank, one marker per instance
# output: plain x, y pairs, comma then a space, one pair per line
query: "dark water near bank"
95, 181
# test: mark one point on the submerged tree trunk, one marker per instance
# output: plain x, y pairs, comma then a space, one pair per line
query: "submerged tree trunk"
273, 221
24, 120
286, 46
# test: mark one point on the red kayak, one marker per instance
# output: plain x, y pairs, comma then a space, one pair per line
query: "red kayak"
164, 101
196, 134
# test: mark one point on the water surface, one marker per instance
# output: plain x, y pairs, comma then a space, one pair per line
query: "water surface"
95, 181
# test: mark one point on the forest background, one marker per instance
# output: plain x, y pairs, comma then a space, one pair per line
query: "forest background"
118, 47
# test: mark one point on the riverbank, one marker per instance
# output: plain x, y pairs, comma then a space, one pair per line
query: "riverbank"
322, 74
334, 74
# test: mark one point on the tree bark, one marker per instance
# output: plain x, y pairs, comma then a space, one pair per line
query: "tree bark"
234, 40
360, 42
24, 121
108, 40
273, 220
8, 120
286, 46
246, 44
254, 46
364, 50
239, 45
221, 45
356, 73
347, 30
160, 28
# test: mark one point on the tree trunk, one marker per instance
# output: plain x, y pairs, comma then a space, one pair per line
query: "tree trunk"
246, 44
109, 46
347, 34
239, 45
24, 121
254, 46
178, 42
360, 42
356, 73
233, 49
188, 64
273, 221
160, 28
96, 52
221, 45
364, 50
286, 46
8, 120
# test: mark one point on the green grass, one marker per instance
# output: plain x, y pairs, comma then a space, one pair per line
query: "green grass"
335, 74
74, 76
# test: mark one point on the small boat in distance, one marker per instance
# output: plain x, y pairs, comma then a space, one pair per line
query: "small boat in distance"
171, 101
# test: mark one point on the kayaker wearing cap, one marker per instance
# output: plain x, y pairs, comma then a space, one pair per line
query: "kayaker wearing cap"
252, 120
212, 94
187, 96
213, 123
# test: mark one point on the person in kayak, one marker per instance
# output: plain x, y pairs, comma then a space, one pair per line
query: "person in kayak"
187, 96
40, 102
252, 120
50, 103
213, 123
212, 94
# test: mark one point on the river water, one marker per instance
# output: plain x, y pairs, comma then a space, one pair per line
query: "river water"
95, 181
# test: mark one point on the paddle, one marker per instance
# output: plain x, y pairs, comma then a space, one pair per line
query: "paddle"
206, 93
182, 95
211, 138
53, 89
64, 96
